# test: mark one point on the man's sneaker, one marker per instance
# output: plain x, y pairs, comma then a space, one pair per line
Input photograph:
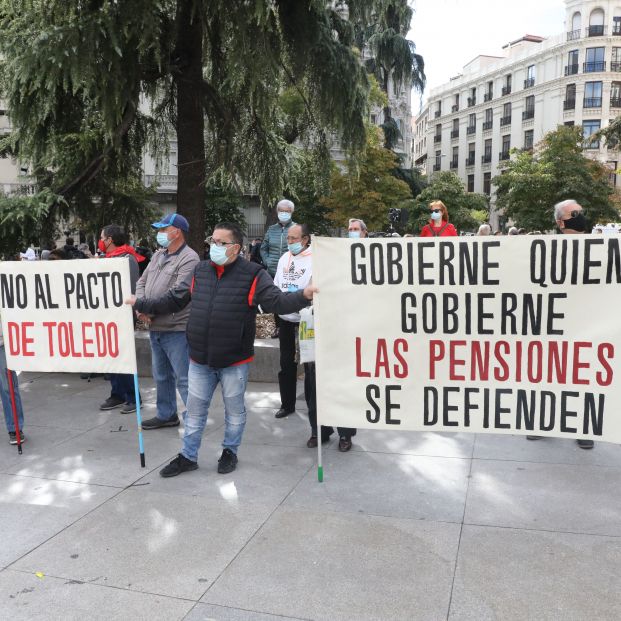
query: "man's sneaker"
111, 403
585, 444
178, 465
227, 462
129, 408
156, 423
13, 437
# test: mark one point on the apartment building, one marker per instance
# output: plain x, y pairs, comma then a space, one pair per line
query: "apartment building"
512, 100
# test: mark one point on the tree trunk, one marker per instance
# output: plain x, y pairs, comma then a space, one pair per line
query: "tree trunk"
190, 120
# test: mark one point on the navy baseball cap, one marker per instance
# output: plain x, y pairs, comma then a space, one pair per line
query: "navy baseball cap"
172, 219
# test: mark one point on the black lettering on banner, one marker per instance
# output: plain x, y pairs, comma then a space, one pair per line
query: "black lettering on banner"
410, 251
422, 266
447, 254
358, 270
507, 313
487, 264
48, 288
531, 316
590, 263
614, 261
566, 413
560, 264
104, 276
14, 292
390, 406
574, 261
483, 315
376, 259
40, 300
538, 262
468, 262
373, 393
546, 423
430, 314
552, 297
394, 254
468, 405
430, 418
450, 312
91, 284
69, 288
596, 418
408, 317
525, 410
447, 408
117, 289
499, 410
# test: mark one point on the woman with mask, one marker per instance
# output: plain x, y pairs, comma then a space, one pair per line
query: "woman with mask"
438, 225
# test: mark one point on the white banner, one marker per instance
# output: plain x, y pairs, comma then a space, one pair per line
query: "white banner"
67, 316
513, 335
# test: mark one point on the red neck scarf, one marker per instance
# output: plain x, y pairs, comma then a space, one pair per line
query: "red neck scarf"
124, 249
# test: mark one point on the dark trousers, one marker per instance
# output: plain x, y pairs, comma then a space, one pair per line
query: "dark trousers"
288, 374
310, 394
123, 387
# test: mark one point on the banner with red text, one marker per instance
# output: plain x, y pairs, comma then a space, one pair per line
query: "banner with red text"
67, 316
516, 334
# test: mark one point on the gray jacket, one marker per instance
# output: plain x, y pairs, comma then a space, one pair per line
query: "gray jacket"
274, 245
165, 272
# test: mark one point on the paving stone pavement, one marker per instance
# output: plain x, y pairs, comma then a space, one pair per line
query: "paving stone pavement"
407, 526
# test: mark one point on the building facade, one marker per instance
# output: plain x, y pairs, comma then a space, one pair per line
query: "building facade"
499, 103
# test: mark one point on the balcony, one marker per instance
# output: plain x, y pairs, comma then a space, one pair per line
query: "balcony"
592, 102
506, 90
472, 101
436, 167
503, 155
486, 159
615, 66
438, 114
164, 184
470, 160
528, 146
527, 114
487, 125
569, 104
454, 163
488, 96
455, 108
572, 69
615, 102
529, 82
437, 138
471, 130
616, 30
592, 67
454, 134
591, 144
573, 35
505, 120
595, 31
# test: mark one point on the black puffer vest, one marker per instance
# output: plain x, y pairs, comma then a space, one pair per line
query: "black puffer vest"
221, 327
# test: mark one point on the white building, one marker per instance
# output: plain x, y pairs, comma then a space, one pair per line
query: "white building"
511, 101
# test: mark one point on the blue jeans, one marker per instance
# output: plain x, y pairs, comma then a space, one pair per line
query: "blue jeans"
123, 387
170, 361
5, 394
202, 381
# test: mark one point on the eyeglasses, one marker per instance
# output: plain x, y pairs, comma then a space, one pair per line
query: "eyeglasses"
213, 242
575, 213
435, 210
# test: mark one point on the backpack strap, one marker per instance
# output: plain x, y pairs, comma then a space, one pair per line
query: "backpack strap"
433, 231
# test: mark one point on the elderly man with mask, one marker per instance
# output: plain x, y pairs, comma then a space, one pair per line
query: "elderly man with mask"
570, 221
357, 228
274, 243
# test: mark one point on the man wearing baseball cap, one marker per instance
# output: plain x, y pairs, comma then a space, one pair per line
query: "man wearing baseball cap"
171, 267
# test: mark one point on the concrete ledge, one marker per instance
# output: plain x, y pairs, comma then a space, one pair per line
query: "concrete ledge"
264, 368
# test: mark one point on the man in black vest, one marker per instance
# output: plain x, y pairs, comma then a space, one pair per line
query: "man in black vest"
225, 293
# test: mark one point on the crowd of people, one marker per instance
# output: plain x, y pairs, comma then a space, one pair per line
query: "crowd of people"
201, 317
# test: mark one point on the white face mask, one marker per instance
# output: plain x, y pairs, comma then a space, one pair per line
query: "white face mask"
284, 216
436, 215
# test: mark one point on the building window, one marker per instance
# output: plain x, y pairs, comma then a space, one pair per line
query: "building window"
576, 26
374, 119
437, 166
438, 135
528, 139
489, 118
455, 158
615, 95
455, 107
487, 183
530, 76
589, 128
572, 63
616, 25
506, 89
506, 114
438, 113
471, 154
455, 130
472, 124
615, 61
489, 91
529, 108
570, 97
569, 123
470, 183
596, 26
594, 59
506, 147
487, 151
592, 95
472, 100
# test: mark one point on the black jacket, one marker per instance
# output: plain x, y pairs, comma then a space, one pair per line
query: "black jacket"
221, 328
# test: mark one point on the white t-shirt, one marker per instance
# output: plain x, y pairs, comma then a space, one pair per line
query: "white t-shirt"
293, 274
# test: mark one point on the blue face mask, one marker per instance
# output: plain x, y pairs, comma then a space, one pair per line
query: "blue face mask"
436, 215
162, 240
295, 248
218, 254
353, 234
284, 216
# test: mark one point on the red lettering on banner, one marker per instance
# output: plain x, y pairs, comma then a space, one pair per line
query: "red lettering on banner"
381, 359
113, 340
86, 341
599, 377
455, 362
49, 325
558, 360
579, 365
100, 337
13, 338
436, 353
535, 362
504, 375
479, 364
19, 339
74, 352
518, 366
401, 371
359, 371
63, 340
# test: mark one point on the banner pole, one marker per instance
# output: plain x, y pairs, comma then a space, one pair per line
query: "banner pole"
18, 431
319, 462
139, 421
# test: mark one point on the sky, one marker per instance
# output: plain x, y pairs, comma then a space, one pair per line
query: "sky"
450, 33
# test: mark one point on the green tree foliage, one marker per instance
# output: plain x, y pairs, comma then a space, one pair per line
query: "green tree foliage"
532, 183
367, 189
464, 208
74, 75
225, 203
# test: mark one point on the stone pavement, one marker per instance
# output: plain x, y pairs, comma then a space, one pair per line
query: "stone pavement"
407, 526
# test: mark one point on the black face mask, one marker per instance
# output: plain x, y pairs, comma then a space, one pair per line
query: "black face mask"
577, 223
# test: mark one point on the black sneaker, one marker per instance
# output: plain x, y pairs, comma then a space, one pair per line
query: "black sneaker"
111, 403
157, 423
13, 437
128, 408
178, 465
227, 462
585, 444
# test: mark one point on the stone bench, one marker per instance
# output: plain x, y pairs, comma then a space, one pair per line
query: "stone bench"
264, 368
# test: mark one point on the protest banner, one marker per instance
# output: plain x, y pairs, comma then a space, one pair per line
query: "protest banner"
69, 316
519, 335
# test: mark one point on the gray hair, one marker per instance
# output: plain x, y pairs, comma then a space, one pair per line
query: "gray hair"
558, 208
285, 203
363, 226
485, 229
